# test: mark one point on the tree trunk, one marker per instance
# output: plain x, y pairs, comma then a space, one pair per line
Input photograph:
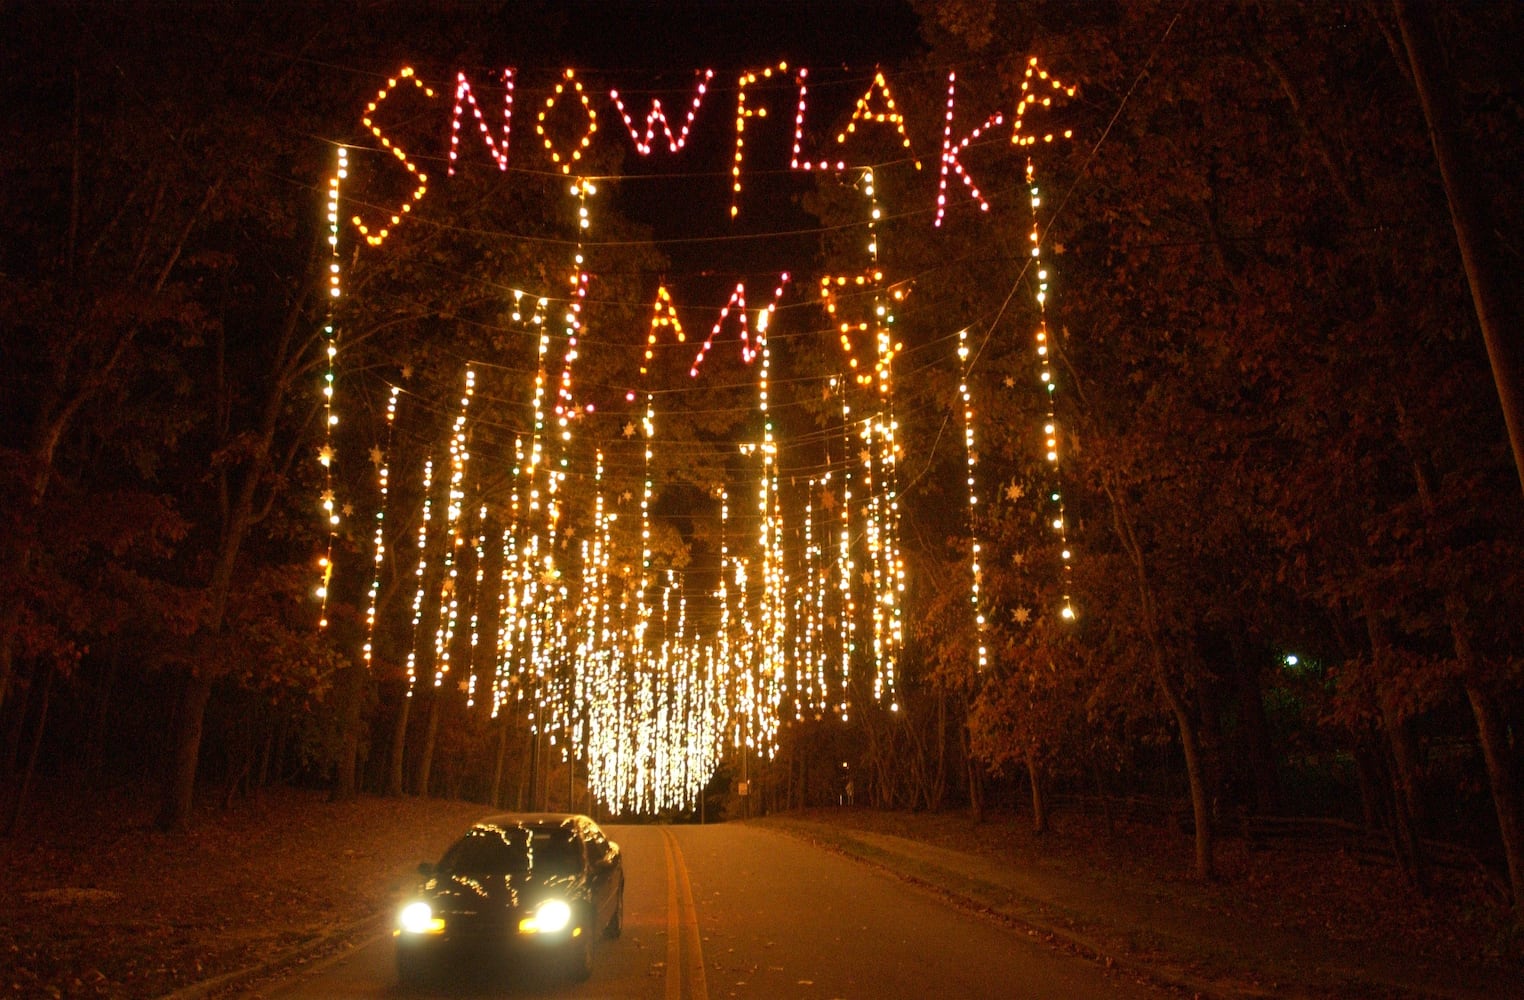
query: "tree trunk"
1039, 807
241, 509
351, 692
939, 774
1189, 742
1402, 756
15, 732
1496, 314
266, 758
395, 786
1209, 730
431, 733
29, 769
1100, 793
95, 752
527, 780
495, 795
1404, 793
975, 784
1256, 731
1368, 778
180, 786
1505, 793
1195, 775
1489, 725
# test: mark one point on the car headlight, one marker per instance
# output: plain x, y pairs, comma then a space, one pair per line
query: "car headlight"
550, 916
418, 918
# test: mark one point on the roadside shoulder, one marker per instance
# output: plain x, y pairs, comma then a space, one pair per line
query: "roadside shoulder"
1148, 929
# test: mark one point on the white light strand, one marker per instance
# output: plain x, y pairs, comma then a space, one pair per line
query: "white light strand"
1057, 519
971, 458
331, 351
449, 584
420, 572
383, 486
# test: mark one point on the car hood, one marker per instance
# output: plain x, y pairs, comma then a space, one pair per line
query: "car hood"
474, 892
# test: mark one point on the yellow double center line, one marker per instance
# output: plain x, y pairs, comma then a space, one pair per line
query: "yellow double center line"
682, 928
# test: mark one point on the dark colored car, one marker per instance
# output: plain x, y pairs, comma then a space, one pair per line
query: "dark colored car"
537, 885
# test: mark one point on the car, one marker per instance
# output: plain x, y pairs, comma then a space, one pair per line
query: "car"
517, 886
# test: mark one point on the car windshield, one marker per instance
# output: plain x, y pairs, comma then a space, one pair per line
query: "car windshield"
555, 851
488, 850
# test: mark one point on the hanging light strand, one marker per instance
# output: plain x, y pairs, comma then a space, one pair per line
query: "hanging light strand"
1056, 518
881, 435
971, 456
420, 572
449, 585
331, 352
383, 487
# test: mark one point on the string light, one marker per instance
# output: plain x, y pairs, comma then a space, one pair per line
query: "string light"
676, 142
876, 105
742, 113
889, 115
379, 236
601, 658
807, 627
383, 484
885, 573
846, 568
796, 162
449, 596
1031, 98
774, 611
330, 352
463, 91
736, 302
951, 154
419, 572
474, 621
586, 139
971, 458
1045, 373
663, 315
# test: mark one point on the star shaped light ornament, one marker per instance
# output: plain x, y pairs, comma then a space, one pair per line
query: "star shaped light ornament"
1014, 492
1010, 381
1021, 616
375, 457
629, 429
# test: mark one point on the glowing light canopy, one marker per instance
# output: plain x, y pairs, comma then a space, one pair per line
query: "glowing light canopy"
554, 603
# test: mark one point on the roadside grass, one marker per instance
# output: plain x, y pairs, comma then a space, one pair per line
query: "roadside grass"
1313, 920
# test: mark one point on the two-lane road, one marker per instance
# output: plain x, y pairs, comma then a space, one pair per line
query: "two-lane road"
733, 910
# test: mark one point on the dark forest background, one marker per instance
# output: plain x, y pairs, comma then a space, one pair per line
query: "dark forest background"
1296, 520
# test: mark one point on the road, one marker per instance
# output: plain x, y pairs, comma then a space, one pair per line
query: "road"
733, 910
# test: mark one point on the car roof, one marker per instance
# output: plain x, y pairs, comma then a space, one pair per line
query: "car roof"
539, 819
